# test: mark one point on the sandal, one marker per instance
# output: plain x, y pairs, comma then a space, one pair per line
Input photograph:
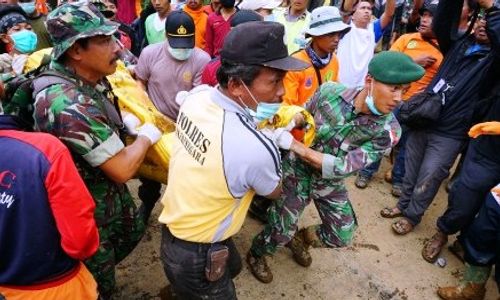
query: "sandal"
402, 226
457, 250
391, 213
433, 247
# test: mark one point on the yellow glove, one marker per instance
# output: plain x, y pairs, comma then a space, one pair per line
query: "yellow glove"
496, 191
490, 128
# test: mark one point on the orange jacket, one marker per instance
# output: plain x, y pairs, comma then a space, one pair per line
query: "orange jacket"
413, 45
200, 18
301, 85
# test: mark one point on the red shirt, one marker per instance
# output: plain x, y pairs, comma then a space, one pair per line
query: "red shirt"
209, 75
217, 29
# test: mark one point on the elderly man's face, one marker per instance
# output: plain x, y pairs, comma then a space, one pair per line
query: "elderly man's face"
101, 46
266, 87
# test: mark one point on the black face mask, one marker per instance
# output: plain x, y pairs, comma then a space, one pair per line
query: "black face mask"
227, 3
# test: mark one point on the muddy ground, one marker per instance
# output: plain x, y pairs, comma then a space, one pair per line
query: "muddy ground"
379, 265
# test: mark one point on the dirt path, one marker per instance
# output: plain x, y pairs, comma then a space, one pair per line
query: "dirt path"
379, 265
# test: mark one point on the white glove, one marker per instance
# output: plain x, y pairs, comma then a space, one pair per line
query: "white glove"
290, 125
182, 95
150, 131
280, 136
131, 122
18, 63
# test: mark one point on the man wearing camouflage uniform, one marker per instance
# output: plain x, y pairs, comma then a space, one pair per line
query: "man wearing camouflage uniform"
354, 128
80, 109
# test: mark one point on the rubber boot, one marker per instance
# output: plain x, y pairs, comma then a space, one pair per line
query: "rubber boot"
311, 237
300, 249
472, 286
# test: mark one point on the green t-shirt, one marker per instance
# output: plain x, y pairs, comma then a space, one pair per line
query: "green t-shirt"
152, 33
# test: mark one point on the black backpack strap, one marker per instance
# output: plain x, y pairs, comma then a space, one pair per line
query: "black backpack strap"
46, 79
318, 75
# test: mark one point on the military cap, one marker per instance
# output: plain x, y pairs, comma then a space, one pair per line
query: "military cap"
392, 67
73, 21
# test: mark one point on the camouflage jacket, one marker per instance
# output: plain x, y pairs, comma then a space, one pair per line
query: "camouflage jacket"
84, 119
350, 140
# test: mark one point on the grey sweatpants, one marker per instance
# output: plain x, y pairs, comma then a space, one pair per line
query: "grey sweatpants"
428, 160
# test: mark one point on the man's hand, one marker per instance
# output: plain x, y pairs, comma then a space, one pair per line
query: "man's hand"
280, 136
489, 128
425, 60
150, 131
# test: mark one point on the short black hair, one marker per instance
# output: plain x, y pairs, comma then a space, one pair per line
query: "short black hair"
83, 42
229, 70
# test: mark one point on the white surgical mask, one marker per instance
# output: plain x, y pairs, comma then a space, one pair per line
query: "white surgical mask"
180, 53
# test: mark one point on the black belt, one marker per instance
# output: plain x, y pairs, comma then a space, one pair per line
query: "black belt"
194, 246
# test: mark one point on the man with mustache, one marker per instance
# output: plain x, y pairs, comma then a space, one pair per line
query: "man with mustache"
79, 108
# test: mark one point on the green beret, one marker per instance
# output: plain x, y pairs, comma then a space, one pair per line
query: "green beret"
392, 67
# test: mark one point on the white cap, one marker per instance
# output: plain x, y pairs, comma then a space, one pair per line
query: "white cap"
258, 4
325, 20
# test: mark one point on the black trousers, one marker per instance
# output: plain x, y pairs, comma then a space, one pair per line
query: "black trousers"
478, 175
482, 238
184, 264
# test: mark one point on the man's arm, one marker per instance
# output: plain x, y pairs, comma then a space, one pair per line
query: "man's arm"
123, 166
445, 23
276, 194
417, 4
346, 8
492, 24
142, 84
72, 207
386, 18
342, 166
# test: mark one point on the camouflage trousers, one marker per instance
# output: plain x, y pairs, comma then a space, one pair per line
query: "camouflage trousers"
301, 184
121, 227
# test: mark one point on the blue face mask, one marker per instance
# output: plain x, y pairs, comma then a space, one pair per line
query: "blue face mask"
371, 104
264, 111
180, 53
28, 7
269, 18
24, 41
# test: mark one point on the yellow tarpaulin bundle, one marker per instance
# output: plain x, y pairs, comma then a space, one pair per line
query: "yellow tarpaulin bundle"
134, 100
285, 115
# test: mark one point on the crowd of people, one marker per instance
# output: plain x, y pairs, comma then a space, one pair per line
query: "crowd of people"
416, 80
